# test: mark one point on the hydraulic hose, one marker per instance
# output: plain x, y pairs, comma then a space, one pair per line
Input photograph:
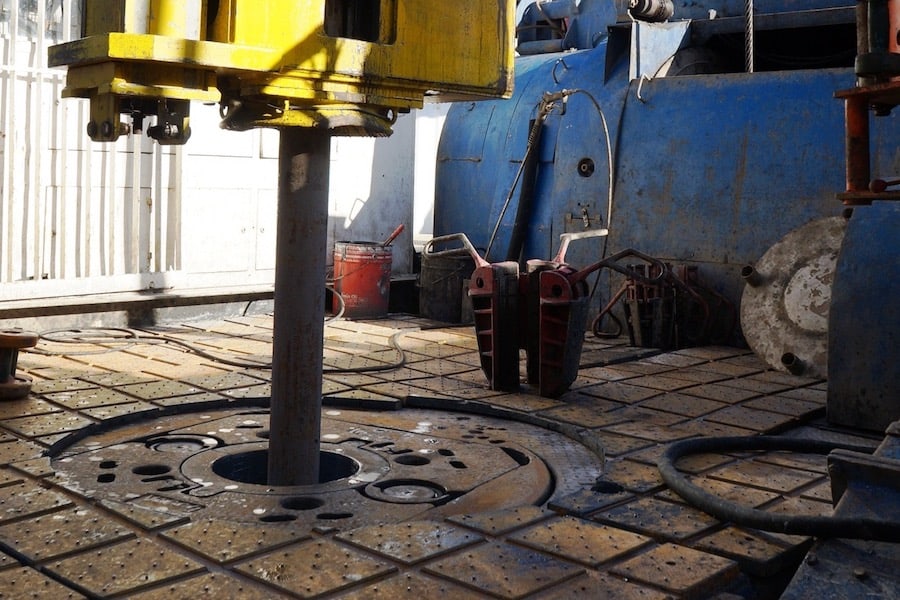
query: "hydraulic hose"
725, 510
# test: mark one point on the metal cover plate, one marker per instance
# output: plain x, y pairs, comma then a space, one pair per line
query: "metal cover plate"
411, 586
504, 570
410, 542
315, 568
215, 586
581, 541
786, 312
123, 567
17, 501
679, 570
502, 521
28, 583
412, 464
223, 541
60, 533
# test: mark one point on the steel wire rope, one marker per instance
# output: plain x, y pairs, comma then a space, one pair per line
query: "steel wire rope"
543, 110
728, 511
136, 338
130, 337
610, 163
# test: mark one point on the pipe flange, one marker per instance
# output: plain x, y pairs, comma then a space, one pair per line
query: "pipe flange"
785, 305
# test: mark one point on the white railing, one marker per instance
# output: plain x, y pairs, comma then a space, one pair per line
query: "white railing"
78, 217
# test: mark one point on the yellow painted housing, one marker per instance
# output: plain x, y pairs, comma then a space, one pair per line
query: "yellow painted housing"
349, 65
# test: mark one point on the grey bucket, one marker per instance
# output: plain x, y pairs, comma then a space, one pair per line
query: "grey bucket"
443, 284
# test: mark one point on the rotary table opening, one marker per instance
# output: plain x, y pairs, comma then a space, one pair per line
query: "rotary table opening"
376, 466
250, 467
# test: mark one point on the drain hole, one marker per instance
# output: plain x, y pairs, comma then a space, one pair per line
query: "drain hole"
302, 503
458, 464
333, 516
248, 426
607, 487
151, 469
277, 518
252, 467
106, 477
416, 460
381, 444
445, 452
263, 435
497, 442
407, 491
109, 464
183, 444
519, 457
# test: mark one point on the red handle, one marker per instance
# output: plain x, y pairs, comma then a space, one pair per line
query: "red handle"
393, 235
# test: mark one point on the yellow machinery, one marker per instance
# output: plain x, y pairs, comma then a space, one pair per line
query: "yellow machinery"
313, 68
348, 65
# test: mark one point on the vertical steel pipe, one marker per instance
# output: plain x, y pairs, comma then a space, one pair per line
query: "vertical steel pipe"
295, 418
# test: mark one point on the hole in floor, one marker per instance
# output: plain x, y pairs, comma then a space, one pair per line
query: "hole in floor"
416, 460
277, 518
252, 467
302, 503
151, 469
333, 516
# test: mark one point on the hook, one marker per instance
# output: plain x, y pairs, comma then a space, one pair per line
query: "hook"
556, 64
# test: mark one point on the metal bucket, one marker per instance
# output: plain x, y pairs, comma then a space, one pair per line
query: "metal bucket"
362, 278
443, 282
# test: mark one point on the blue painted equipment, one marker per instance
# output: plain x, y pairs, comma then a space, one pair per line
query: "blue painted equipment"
659, 133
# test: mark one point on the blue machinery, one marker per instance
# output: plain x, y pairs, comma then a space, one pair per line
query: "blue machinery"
700, 133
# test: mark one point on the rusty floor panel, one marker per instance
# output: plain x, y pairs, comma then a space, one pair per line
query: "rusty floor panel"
618, 534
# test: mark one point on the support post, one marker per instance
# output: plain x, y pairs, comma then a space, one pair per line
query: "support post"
295, 415
856, 114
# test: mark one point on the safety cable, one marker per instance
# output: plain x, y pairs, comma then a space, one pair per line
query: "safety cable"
816, 526
118, 339
544, 109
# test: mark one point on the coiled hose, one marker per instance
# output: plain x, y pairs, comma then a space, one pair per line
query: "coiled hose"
816, 526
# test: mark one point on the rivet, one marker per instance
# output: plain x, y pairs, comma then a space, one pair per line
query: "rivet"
860, 573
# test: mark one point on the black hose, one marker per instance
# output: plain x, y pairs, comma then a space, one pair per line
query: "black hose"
130, 337
526, 192
724, 510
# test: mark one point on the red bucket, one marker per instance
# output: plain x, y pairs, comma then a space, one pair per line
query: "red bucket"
362, 277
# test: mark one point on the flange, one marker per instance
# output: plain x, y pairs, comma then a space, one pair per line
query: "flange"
784, 308
376, 467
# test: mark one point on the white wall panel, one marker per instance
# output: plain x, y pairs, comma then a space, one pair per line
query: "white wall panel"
79, 217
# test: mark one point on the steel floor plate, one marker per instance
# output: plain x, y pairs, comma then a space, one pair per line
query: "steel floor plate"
462, 492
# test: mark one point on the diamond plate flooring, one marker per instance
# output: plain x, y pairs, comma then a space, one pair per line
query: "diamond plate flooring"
624, 535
